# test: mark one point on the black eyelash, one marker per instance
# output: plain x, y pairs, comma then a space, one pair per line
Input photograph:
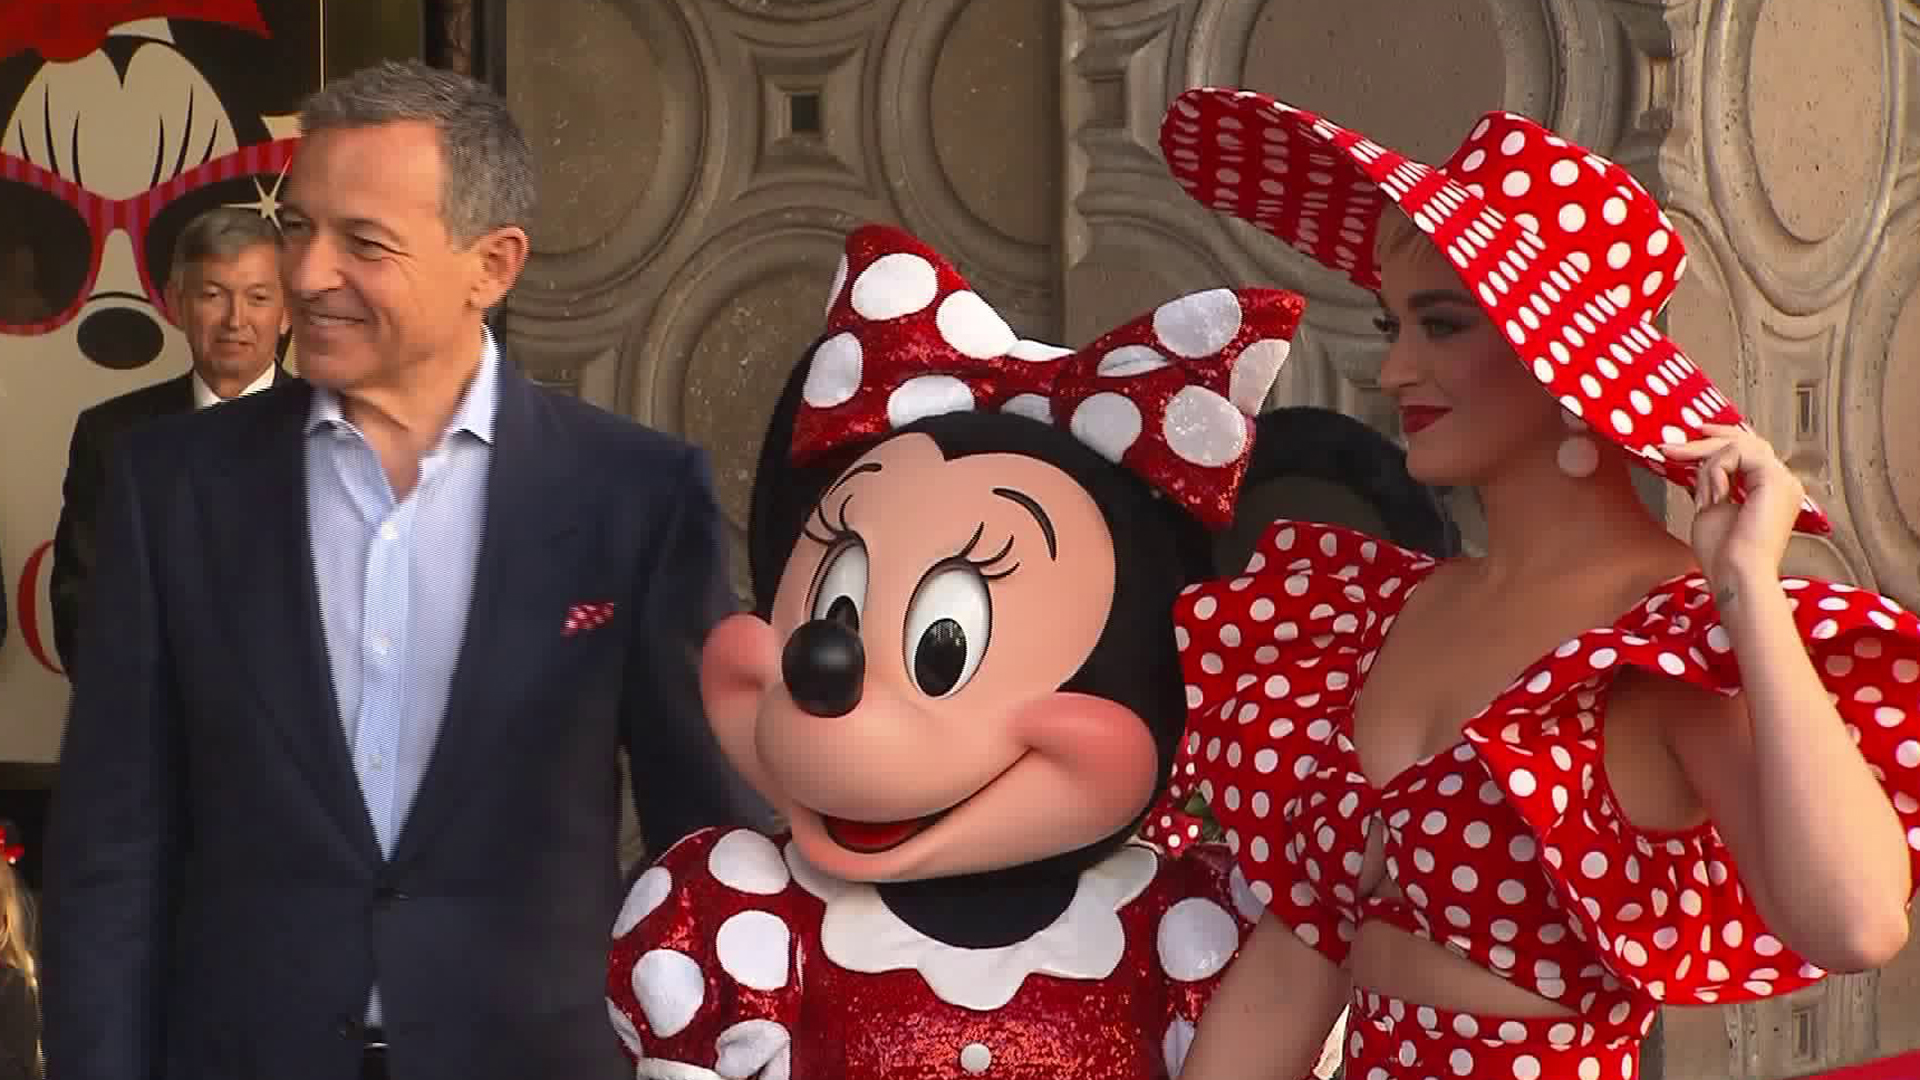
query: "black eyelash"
836, 531
965, 555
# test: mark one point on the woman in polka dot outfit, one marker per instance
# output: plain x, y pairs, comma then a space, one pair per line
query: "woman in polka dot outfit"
1703, 786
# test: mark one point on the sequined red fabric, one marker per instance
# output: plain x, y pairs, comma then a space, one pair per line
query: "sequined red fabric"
732, 958
1510, 848
1566, 252
1170, 395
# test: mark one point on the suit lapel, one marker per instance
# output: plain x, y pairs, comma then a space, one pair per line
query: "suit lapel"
179, 395
528, 554
255, 499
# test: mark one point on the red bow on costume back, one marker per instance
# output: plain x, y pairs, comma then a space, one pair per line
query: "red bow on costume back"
65, 30
1170, 395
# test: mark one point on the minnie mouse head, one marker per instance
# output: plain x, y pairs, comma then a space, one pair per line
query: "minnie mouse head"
962, 662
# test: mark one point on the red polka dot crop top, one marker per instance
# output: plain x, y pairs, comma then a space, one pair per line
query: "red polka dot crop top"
1509, 849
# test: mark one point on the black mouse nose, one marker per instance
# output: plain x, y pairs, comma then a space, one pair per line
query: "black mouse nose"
120, 338
825, 667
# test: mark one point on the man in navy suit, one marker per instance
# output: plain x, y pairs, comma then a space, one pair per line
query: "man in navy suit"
339, 791
223, 290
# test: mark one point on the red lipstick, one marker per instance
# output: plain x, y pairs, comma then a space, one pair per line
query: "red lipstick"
1415, 418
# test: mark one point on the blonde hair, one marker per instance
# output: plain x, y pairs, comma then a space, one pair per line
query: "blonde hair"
17, 943
1395, 233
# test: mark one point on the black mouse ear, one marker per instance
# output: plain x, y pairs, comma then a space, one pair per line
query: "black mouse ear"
783, 493
258, 75
1315, 464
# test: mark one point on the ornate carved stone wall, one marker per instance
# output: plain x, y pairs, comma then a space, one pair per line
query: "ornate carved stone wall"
703, 158
1789, 165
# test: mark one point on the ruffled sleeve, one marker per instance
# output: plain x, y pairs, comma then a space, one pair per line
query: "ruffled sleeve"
703, 973
1667, 912
1287, 643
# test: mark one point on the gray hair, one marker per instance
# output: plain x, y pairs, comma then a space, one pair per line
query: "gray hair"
488, 167
219, 234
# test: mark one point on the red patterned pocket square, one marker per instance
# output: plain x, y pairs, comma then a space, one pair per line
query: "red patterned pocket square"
584, 617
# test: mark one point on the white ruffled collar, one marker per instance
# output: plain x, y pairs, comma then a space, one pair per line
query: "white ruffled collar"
860, 933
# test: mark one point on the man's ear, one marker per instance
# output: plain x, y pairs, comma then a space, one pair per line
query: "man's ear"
502, 254
174, 294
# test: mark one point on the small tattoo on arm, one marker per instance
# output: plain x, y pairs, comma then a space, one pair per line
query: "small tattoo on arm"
1724, 597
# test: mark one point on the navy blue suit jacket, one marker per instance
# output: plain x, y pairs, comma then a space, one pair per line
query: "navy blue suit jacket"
217, 906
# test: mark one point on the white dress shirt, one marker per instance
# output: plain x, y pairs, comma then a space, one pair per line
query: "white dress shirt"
204, 396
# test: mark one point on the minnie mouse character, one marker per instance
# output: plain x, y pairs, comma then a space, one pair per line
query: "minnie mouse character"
962, 696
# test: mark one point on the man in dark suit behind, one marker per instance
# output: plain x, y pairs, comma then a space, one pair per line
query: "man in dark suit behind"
339, 793
223, 291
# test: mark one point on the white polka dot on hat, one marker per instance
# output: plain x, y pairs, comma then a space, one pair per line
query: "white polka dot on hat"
1563, 249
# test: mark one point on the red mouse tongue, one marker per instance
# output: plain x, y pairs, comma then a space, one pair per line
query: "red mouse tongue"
872, 836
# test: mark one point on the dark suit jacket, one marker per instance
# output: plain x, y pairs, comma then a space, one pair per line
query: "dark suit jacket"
217, 904
94, 434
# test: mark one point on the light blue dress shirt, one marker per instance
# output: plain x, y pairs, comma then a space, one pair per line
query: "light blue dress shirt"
395, 578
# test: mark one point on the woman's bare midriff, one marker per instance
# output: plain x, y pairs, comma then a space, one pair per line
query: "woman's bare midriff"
1390, 961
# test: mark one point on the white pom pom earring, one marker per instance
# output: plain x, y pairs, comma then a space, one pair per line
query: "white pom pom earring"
1578, 455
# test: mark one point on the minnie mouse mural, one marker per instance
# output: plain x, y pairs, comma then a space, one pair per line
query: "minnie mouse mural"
120, 122
963, 695
128, 118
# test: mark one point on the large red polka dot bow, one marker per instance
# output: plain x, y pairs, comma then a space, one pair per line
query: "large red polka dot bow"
1170, 395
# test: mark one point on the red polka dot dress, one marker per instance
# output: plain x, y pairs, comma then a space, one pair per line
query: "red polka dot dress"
734, 957
1509, 848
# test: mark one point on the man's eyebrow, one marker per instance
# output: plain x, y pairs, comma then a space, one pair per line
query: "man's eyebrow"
1030, 505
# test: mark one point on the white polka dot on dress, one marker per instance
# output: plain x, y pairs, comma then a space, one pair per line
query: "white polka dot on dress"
670, 989
753, 949
649, 891
1196, 938
747, 862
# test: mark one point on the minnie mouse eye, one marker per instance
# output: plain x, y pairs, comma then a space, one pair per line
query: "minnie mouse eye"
948, 624
841, 591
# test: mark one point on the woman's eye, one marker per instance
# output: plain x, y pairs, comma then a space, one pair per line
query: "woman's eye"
948, 624
841, 591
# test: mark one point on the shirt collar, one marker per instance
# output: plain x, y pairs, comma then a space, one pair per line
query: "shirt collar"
204, 397
475, 415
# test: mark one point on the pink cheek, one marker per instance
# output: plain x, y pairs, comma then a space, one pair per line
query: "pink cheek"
1107, 749
739, 664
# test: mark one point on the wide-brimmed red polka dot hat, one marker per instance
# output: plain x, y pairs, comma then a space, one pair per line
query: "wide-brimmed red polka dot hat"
1563, 249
